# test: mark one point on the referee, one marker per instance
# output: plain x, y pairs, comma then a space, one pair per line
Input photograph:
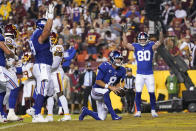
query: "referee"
130, 93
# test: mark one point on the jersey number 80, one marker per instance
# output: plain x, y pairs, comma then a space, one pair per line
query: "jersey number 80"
143, 55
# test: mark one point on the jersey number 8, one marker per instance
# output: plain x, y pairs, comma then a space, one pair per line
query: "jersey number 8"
143, 55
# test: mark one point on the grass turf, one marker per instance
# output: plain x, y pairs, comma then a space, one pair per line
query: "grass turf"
165, 122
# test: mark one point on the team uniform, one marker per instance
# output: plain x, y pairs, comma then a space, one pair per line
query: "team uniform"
10, 65
56, 84
41, 70
7, 80
29, 82
112, 77
144, 57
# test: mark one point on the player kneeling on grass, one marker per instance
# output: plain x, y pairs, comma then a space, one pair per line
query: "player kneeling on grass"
56, 83
108, 79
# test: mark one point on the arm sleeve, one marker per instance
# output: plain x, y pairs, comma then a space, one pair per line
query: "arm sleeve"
101, 71
71, 56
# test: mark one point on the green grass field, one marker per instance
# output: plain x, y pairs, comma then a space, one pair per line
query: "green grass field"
165, 122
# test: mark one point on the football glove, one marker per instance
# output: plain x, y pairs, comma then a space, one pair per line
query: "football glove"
50, 12
121, 92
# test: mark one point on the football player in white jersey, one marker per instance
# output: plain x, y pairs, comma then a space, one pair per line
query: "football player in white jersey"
57, 76
144, 51
11, 33
29, 81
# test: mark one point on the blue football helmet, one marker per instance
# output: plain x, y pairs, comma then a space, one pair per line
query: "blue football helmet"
142, 38
41, 23
114, 55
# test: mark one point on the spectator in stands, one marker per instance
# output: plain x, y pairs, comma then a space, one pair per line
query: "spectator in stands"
167, 14
92, 41
192, 27
69, 54
87, 80
172, 86
180, 13
5, 9
75, 96
187, 48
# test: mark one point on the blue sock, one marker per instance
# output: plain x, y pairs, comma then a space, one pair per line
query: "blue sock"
1, 102
92, 114
39, 103
152, 100
59, 103
108, 104
13, 97
138, 100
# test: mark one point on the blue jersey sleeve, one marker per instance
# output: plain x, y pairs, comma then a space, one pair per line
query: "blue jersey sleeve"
101, 71
151, 43
1, 38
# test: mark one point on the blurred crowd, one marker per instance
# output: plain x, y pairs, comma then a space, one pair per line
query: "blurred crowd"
94, 27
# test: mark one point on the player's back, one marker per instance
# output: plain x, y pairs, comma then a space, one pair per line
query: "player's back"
109, 75
41, 51
144, 56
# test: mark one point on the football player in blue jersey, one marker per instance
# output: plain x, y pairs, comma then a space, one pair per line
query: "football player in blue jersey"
109, 76
143, 51
7, 80
41, 49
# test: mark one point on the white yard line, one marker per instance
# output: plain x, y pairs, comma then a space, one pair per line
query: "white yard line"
20, 124
10, 126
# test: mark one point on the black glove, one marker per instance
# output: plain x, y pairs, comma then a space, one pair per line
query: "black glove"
125, 28
121, 92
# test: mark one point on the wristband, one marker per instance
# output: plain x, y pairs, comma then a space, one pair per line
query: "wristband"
106, 86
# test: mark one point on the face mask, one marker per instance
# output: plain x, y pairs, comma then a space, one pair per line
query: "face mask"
88, 70
10, 41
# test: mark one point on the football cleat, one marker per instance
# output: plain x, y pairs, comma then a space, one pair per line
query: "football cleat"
39, 118
65, 118
137, 114
31, 111
26, 116
3, 119
153, 113
49, 118
13, 117
83, 113
116, 117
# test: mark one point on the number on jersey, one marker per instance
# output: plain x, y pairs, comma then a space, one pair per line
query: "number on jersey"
112, 80
32, 47
143, 55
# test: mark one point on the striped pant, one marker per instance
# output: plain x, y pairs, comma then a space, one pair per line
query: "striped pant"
56, 84
12, 81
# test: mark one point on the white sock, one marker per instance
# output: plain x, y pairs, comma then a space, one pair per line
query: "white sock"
64, 104
50, 104
11, 111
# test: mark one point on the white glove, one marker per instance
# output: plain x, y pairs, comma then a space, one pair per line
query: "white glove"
50, 11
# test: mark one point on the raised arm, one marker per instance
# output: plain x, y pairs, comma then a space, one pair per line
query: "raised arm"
46, 32
158, 43
125, 42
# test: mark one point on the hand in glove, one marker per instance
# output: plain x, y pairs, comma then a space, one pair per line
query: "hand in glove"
50, 11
